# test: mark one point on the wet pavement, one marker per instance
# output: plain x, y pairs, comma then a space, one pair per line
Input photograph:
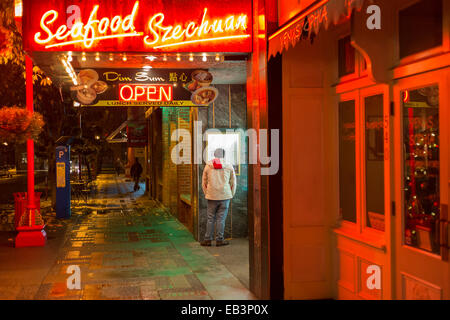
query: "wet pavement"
126, 246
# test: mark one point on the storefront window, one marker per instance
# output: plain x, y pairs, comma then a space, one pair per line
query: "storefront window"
347, 56
374, 145
421, 167
420, 27
347, 161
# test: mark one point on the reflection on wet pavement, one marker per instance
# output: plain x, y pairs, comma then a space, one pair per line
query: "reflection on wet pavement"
129, 247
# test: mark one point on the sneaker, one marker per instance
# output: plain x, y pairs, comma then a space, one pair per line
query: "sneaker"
206, 243
222, 243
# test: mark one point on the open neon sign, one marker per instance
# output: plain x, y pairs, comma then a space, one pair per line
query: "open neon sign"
158, 34
146, 92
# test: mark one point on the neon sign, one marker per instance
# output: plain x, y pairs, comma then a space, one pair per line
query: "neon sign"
204, 29
163, 30
88, 33
146, 92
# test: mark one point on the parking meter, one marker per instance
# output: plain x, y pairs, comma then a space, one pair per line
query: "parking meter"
63, 182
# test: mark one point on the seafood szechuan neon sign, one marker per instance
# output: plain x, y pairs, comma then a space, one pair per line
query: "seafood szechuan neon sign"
159, 35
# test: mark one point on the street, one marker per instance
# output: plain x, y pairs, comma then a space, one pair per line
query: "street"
126, 246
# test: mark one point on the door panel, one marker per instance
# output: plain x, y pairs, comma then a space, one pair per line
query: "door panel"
307, 237
421, 174
363, 238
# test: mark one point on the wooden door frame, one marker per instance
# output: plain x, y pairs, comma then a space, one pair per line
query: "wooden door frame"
362, 234
441, 78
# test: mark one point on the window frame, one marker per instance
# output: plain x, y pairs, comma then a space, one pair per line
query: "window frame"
359, 63
359, 229
440, 78
428, 53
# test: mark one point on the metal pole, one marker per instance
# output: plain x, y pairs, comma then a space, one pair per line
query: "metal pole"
79, 154
30, 143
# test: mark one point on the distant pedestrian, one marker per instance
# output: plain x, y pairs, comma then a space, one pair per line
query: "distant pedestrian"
135, 172
219, 187
118, 166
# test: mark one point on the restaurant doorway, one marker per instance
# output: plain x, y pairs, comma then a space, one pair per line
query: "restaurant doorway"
176, 131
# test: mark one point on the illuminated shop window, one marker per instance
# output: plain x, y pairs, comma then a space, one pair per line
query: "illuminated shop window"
347, 158
374, 152
420, 27
421, 168
18, 8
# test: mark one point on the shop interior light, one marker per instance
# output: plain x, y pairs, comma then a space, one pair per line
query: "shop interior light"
165, 57
217, 57
178, 58
147, 67
69, 69
18, 8
124, 58
97, 57
83, 56
204, 57
151, 58
111, 57
191, 57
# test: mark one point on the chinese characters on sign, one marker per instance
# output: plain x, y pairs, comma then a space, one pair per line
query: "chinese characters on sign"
156, 87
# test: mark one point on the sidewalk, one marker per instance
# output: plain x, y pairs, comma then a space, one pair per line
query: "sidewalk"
127, 247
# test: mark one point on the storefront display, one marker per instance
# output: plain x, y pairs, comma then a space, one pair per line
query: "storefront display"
137, 87
421, 167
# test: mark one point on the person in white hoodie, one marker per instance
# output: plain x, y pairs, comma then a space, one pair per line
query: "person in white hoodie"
219, 187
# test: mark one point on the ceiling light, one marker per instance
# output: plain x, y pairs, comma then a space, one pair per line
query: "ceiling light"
83, 57
217, 57
151, 58
204, 57
147, 67
178, 58
97, 57
124, 58
191, 57
111, 58
165, 57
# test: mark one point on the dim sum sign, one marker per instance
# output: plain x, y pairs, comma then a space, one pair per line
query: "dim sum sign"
150, 26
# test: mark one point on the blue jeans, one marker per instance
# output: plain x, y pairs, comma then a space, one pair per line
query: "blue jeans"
217, 213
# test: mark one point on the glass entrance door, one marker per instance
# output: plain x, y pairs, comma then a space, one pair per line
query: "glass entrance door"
422, 183
421, 167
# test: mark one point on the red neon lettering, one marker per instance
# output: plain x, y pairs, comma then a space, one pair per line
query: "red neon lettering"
167, 36
160, 36
93, 30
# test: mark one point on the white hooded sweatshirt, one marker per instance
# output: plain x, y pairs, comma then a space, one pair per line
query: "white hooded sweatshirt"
219, 183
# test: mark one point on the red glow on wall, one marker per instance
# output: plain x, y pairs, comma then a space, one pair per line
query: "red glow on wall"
146, 92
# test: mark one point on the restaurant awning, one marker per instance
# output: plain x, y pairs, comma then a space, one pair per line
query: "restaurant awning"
309, 21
